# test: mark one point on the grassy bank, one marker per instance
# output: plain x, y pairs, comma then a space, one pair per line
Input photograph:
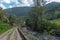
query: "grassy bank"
4, 27
56, 22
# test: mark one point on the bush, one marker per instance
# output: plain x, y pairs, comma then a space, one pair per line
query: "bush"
40, 25
57, 31
4, 27
47, 26
44, 25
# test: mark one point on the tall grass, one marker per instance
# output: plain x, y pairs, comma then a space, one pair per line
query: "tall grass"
4, 27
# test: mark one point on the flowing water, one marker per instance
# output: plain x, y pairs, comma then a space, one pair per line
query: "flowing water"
40, 36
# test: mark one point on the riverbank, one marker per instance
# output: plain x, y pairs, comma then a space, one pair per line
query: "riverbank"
39, 36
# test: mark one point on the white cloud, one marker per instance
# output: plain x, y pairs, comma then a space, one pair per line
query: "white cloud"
10, 6
25, 2
30, 1
55, 0
49, 1
7, 1
1, 5
16, 1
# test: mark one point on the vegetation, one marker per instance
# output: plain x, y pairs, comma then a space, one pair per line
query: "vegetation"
32, 38
21, 21
4, 22
12, 19
57, 22
4, 27
38, 21
3, 16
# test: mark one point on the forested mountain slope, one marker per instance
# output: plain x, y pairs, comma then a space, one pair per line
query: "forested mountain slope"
18, 11
24, 11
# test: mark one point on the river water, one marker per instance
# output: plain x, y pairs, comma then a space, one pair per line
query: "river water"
40, 36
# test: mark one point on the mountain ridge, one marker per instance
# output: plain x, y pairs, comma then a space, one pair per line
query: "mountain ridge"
23, 11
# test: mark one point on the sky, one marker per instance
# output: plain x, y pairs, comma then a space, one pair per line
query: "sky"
19, 3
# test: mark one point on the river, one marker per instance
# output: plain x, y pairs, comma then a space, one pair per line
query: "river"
40, 36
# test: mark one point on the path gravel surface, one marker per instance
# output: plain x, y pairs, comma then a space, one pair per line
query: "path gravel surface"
12, 34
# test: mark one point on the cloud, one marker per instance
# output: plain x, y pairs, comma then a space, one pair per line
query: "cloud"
55, 0
49, 1
30, 1
15, 3
27, 2
7, 1
10, 6
1, 5
23, 3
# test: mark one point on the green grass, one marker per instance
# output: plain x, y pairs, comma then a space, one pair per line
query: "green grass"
56, 22
32, 37
4, 27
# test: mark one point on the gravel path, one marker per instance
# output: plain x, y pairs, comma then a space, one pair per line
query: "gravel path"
15, 35
5, 35
12, 34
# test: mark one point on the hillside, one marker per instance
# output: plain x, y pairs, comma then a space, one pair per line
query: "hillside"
53, 6
23, 11
52, 10
18, 11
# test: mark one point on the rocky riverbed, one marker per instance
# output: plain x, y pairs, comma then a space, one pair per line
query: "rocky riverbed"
40, 36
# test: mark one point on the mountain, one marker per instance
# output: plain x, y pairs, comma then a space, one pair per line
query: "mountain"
53, 10
18, 11
23, 11
53, 6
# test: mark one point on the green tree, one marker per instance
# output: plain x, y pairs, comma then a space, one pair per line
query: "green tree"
3, 16
36, 18
39, 2
12, 19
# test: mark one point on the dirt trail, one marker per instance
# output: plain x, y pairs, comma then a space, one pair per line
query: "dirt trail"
18, 35
5, 35
12, 34
15, 35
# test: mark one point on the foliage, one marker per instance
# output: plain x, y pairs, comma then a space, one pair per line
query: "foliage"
12, 19
3, 16
39, 2
36, 17
57, 27
39, 23
32, 38
57, 21
21, 20
4, 27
